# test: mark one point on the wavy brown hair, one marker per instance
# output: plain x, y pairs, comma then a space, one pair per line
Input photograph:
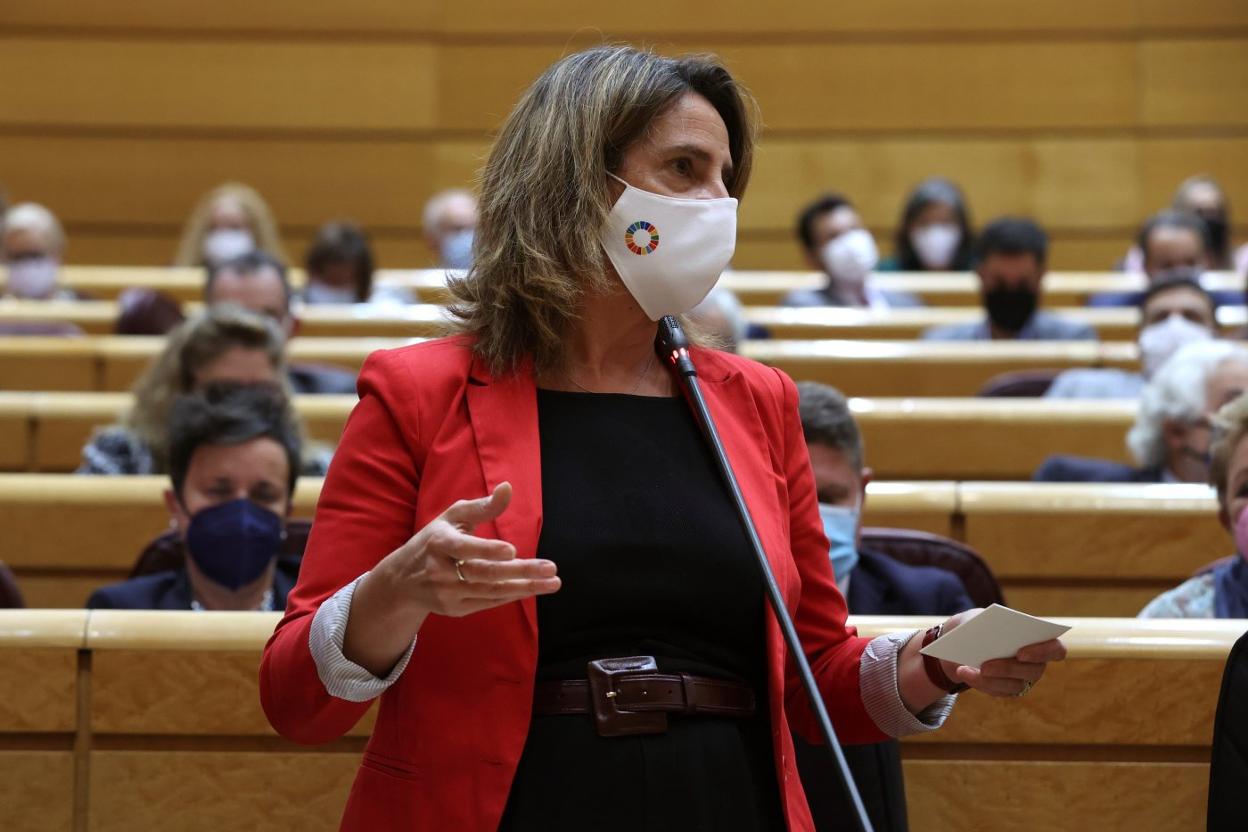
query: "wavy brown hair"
544, 193
190, 347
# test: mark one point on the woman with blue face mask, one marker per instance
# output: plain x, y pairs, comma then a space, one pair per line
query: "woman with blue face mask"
523, 546
233, 458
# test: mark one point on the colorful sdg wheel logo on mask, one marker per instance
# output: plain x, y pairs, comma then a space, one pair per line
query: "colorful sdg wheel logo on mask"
641, 238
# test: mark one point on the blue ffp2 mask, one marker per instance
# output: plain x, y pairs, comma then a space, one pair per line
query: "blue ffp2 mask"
840, 524
233, 543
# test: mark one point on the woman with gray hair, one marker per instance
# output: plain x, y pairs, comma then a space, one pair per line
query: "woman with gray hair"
587, 645
1172, 429
1170, 438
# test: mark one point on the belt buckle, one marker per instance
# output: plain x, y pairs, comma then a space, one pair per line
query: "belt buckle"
609, 719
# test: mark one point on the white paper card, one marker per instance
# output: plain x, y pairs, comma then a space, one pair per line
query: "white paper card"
996, 633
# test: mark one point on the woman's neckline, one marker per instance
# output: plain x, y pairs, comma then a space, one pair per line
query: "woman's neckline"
594, 394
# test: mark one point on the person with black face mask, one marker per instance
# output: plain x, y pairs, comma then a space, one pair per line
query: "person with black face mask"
1203, 196
1010, 259
233, 460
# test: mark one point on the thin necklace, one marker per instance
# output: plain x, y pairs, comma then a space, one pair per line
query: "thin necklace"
644, 371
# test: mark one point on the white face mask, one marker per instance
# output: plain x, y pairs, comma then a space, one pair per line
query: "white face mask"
33, 278
320, 293
227, 243
936, 244
849, 258
1163, 339
668, 251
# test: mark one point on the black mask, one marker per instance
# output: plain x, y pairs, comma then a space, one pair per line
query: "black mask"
1011, 309
1217, 225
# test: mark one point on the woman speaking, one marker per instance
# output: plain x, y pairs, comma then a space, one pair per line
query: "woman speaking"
523, 546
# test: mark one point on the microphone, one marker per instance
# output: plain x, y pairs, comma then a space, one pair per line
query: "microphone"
672, 346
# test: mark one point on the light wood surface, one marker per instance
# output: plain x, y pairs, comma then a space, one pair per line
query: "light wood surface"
99, 317
962, 438
1057, 549
174, 736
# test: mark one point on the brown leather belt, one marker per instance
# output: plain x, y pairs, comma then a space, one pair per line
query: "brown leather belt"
629, 696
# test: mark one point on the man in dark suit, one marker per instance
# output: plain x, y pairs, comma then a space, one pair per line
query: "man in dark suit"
873, 584
233, 460
257, 281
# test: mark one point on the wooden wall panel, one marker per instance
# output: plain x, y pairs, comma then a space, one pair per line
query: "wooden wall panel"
38, 690
229, 15
37, 791
1194, 82
217, 84
260, 791
1054, 796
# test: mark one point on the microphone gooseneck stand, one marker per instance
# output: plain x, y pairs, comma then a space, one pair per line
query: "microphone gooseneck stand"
673, 348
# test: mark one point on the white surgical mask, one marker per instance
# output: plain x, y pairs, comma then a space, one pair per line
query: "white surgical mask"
320, 293
668, 251
227, 243
936, 244
32, 277
456, 250
1163, 339
849, 258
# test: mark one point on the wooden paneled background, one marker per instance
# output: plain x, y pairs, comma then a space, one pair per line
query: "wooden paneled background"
1083, 114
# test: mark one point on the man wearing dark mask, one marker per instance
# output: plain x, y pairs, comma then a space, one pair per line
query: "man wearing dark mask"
1010, 260
233, 461
1204, 197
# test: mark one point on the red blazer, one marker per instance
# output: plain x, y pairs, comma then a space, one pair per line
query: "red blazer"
432, 426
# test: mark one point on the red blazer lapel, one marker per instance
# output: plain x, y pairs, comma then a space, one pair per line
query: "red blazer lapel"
503, 412
745, 441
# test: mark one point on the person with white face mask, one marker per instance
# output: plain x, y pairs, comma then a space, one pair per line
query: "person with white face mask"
835, 241
934, 234
545, 455
1174, 313
33, 246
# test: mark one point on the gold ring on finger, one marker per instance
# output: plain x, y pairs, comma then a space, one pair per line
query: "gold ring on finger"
1026, 689
459, 574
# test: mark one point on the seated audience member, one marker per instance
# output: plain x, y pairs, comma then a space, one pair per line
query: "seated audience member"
1222, 592
258, 281
722, 316
1170, 438
34, 245
1174, 312
339, 266
233, 462
1010, 258
449, 220
1172, 242
836, 242
935, 231
1203, 196
228, 222
224, 344
873, 584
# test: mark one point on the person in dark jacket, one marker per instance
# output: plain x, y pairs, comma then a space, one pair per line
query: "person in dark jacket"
233, 461
873, 584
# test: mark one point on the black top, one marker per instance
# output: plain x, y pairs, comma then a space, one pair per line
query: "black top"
654, 562
171, 590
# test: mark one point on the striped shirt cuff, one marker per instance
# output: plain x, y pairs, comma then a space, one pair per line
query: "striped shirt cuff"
881, 692
342, 677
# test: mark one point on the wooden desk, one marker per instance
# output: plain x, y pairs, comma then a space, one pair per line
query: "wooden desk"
755, 288
59, 563
973, 439
922, 368
99, 317
858, 368
1061, 289
1074, 549
158, 714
